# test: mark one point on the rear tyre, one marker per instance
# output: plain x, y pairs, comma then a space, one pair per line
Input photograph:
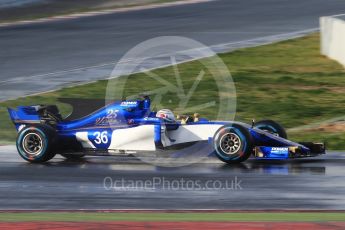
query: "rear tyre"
233, 143
35, 143
271, 127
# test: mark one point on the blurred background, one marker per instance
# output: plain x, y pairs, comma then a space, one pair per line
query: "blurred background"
290, 81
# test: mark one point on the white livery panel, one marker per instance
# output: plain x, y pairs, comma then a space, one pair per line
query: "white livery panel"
189, 133
136, 138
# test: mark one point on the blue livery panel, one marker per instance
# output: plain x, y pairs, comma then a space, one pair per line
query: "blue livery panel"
272, 152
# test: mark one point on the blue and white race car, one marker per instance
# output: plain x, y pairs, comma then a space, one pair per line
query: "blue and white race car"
130, 126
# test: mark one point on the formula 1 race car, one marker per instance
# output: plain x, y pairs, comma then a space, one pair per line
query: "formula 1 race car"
130, 126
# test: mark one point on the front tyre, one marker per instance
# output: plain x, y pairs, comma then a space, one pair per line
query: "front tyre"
34, 144
233, 143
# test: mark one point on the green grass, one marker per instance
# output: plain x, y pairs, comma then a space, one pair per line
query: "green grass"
289, 82
209, 217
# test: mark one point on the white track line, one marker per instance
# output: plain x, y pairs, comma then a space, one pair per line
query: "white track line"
222, 47
103, 12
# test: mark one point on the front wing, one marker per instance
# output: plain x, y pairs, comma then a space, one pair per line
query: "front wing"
305, 149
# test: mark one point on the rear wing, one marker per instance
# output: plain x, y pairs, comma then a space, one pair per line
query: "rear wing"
24, 115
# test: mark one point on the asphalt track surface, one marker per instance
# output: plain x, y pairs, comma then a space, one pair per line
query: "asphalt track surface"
40, 57
312, 184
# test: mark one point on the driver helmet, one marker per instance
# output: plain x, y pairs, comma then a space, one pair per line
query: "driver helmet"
166, 115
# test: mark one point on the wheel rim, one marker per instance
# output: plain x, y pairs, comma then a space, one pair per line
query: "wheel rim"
230, 143
32, 144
